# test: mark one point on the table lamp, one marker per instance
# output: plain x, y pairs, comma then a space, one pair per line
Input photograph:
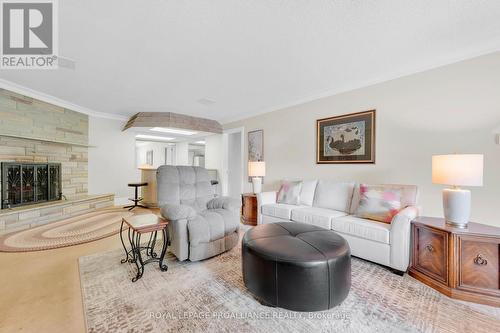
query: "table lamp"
457, 170
257, 170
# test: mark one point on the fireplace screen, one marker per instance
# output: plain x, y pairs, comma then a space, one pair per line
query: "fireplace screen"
28, 183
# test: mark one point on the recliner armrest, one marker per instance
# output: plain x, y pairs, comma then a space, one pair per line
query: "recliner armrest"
177, 212
264, 198
224, 203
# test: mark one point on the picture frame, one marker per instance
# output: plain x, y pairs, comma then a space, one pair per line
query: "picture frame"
345, 139
255, 147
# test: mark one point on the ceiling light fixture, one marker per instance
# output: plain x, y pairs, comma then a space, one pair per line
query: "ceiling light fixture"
153, 137
201, 142
172, 131
206, 101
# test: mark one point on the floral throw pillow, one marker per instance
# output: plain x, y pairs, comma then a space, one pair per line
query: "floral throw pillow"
289, 193
378, 203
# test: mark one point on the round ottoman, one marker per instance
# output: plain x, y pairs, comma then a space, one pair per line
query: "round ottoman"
296, 266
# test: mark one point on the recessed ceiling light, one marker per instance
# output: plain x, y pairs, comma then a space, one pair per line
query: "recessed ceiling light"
153, 137
172, 130
206, 101
201, 142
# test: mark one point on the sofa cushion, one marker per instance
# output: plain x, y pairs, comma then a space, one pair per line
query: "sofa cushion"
320, 217
378, 203
289, 192
351, 225
307, 192
279, 210
334, 195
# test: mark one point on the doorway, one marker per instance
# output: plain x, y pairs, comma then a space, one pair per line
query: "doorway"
233, 158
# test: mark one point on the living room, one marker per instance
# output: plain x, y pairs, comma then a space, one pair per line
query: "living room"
250, 166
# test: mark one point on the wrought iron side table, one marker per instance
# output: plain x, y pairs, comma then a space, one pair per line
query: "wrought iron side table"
137, 226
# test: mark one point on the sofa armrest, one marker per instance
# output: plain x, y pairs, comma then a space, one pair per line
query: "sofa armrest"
228, 203
400, 237
177, 212
264, 198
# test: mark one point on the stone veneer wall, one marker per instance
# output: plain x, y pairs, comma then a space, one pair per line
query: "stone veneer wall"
35, 131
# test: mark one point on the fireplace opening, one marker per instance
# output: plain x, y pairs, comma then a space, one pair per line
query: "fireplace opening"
29, 183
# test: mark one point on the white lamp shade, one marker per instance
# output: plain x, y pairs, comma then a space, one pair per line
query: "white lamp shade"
458, 170
256, 169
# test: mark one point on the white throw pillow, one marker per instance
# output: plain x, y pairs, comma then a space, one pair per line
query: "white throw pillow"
334, 195
307, 192
289, 192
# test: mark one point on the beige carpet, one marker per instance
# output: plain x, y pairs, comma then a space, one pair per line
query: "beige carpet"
209, 296
75, 230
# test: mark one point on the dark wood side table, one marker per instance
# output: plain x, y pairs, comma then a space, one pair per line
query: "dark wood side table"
460, 263
137, 226
249, 208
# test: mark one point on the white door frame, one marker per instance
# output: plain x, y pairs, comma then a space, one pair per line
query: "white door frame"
225, 160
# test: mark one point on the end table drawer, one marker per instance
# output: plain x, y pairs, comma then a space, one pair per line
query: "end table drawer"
479, 264
430, 255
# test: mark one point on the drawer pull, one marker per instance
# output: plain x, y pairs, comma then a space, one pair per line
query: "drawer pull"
479, 260
429, 248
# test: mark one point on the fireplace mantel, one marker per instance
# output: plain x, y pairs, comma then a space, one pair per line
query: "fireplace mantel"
64, 142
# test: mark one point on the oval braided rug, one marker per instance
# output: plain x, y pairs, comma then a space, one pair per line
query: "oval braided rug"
71, 231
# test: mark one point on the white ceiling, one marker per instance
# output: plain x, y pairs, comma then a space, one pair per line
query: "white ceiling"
251, 56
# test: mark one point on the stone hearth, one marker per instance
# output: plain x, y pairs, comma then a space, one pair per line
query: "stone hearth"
34, 215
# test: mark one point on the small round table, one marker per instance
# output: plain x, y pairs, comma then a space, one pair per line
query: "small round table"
137, 226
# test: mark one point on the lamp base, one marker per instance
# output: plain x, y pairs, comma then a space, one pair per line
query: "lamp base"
257, 184
456, 206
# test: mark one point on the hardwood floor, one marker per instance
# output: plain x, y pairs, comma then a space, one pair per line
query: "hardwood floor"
40, 291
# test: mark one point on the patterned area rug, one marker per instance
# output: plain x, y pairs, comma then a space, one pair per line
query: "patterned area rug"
75, 230
209, 296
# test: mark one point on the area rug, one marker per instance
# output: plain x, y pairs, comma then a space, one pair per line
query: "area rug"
75, 230
209, 296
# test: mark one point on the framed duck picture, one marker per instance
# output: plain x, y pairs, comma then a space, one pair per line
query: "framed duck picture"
348, 138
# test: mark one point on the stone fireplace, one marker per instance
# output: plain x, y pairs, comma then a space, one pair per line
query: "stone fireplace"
39, 139
44, 158
29, 183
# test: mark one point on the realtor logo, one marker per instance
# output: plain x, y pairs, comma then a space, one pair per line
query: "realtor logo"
29, 34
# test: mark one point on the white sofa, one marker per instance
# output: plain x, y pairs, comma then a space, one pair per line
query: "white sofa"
332, 205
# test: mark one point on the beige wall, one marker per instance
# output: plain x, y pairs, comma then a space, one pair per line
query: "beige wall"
112, 163
451, 109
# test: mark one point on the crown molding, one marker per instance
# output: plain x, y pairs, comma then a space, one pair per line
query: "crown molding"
19, 89
489, 50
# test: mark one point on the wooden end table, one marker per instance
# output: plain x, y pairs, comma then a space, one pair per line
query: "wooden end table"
137, 226
249, 208
460, 263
